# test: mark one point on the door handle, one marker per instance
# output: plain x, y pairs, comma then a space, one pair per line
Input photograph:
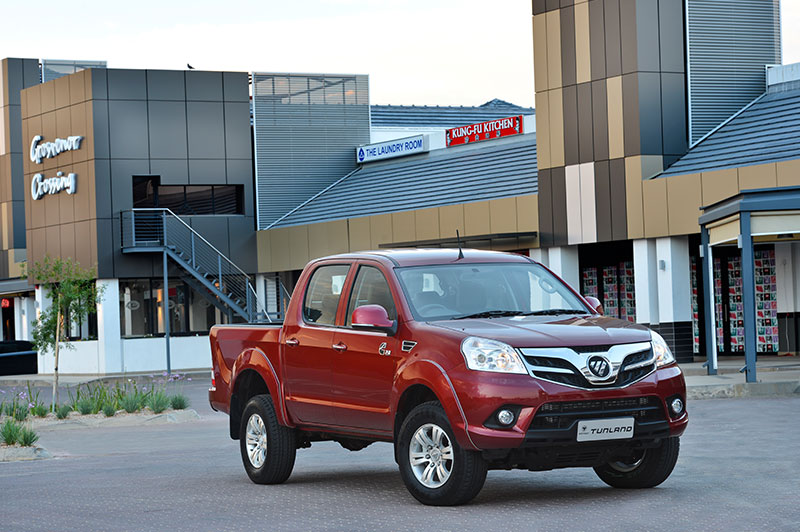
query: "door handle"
292, 342
340, 347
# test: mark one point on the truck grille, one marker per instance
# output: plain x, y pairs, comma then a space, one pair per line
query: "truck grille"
562, 371
562, 415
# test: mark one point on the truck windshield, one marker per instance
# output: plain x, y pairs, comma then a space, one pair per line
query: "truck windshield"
452, 291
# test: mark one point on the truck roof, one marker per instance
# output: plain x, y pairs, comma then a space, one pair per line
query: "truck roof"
420, 257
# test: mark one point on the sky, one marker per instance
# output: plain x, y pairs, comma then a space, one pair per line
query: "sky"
422, 52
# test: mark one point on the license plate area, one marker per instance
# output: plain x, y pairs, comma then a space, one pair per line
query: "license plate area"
619, 428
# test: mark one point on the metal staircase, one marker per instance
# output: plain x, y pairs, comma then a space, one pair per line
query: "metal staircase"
162, 231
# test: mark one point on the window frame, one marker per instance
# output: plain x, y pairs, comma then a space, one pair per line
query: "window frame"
351, 294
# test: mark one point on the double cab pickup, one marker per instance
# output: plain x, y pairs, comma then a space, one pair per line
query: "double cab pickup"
465, 361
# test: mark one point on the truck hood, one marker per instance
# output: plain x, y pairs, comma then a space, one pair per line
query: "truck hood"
551, 331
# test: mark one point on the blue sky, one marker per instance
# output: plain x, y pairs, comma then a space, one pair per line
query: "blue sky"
426, 52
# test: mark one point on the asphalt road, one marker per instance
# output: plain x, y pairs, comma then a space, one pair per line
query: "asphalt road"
738, 470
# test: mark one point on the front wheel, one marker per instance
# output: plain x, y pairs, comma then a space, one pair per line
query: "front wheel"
434, 468
268, 448
645, 468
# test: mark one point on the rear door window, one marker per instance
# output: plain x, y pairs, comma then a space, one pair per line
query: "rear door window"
323, 293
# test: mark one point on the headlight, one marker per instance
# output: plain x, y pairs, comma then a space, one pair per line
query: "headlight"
661, 350
482, 354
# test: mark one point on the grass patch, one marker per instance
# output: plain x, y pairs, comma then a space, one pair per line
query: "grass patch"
130, 402
159, 401
39, 410
84, 406
179, 402
62, 411
109, 410
21, 413
10, 432
27, 437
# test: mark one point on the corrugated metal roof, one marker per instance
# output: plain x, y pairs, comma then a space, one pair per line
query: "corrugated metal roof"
766, 131
501, 168
435, 116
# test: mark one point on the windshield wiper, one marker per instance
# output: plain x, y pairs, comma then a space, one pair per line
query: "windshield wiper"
490, 314
556, 312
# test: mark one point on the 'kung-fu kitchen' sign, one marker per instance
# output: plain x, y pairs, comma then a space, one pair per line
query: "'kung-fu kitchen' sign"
493, 129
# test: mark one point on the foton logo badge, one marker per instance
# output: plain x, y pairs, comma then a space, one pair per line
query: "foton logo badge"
599, 366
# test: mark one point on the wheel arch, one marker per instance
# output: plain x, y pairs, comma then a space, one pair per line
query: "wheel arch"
254, 374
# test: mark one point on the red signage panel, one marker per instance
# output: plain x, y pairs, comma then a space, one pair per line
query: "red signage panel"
493, 129
6, 303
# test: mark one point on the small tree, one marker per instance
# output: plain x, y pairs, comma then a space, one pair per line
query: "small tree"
73, 292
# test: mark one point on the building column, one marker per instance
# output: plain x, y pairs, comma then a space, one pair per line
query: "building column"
261, 293
41, 304
109, 338
708, 303
645, 281
748, 296
563, 261
675, 295
24, 317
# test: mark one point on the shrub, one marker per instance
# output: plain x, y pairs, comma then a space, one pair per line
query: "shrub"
130, 402
39, 410
159, 401
21, 413
179, 401
109, 410
10, 432
84, 406
27, 437
62, 411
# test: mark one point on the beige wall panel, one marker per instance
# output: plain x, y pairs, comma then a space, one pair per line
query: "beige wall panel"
77, 87
654, 192
3, 77
5, 178
36, 245
556, 110
380, 229
36, 208
788, 173
476, 218
451, 217
30, 128
48, 97
582, 46
360, 239
528, 213
5, 125
68, 249
63, 128
758, 176
49, 133
52, 208
263, 251
553, 19
633, 197
338, 238
503, 215
52, 237
540, 53
543, 126
616, 130
724, 232
684, 198
774, 223
298, 245
317, 243
78, 126
5, 225
32, 96
92, 240
63, 98
88, 141
426, 224
279, 248
719, 184
403, 226
84, 203
66, 203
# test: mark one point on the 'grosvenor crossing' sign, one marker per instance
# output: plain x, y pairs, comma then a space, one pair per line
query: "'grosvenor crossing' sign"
502, 127
53, 185
392, 148
51, 149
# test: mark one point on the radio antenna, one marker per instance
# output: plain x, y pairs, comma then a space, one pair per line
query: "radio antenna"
458, 239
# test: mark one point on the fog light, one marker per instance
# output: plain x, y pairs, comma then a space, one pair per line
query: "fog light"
505, 417
676, 406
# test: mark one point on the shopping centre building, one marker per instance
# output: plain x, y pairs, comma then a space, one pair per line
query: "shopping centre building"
655, 121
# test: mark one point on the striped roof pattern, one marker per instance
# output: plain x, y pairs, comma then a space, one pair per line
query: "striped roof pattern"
502, 168
766, 131
435, 116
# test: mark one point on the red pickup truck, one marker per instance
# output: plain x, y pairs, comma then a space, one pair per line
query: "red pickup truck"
465, 361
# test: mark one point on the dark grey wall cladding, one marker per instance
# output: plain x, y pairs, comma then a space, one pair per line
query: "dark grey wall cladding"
571, 118
189, 127
673, 113
619, 221
613, 38
602, 191
648, 54
597, 39
600, 119
559, 192
630, 114
568, 72
650, 113
545, 208
671, 36
585, 126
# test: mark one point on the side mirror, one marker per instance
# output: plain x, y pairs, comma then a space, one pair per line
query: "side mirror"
373, 317
595, 304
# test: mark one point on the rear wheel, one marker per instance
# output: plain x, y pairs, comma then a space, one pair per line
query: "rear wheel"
645, 468
434, 468
268, 448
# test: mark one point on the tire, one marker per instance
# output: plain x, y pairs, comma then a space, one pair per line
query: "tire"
453, 475
269, 454
649, 469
